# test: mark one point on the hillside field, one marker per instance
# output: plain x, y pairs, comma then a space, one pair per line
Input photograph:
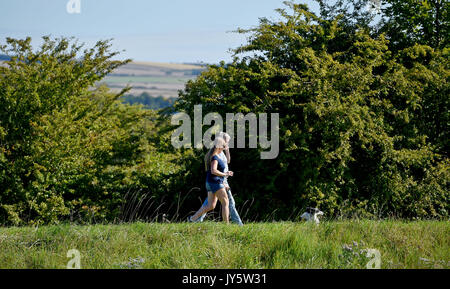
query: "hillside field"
156, 79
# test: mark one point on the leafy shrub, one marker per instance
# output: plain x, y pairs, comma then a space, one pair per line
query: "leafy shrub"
68, 149
358, 123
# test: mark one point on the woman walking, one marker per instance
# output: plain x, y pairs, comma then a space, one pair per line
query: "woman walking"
226, 158
215, 176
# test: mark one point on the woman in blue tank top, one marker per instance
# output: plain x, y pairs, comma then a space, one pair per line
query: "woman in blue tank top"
215, 175
214, 182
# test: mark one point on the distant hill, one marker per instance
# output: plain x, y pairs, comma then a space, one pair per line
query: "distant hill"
139, 68
153, 78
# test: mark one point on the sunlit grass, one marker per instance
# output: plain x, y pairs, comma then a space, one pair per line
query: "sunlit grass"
422, 244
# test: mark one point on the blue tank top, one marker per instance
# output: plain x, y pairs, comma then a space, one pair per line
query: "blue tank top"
211, 178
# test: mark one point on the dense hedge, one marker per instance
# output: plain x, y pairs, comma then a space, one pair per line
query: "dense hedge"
68, 151
363, 120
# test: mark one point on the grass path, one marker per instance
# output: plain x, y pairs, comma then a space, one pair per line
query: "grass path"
337, 244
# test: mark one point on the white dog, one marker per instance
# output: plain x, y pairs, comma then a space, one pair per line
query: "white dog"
312, 214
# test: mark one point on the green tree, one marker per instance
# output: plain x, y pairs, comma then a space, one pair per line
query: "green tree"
412, 22
67, 147
405, 23
351, 110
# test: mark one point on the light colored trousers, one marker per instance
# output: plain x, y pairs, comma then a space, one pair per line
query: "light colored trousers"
234, 216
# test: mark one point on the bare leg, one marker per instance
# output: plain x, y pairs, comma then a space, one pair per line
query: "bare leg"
212, 201
223, 198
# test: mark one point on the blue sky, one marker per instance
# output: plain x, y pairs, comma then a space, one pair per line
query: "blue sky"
149, 30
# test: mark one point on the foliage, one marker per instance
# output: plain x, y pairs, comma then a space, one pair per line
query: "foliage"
66, 148
425, 22
360, 124
405, 23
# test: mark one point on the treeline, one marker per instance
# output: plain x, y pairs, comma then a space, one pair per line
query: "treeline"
364, 123
149, 101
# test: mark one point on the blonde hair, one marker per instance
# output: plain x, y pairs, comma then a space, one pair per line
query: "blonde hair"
224, 135
219, 142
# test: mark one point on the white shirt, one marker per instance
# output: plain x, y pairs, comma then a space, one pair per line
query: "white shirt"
223, 158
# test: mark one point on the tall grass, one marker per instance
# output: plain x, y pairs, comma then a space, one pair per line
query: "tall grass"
336, 244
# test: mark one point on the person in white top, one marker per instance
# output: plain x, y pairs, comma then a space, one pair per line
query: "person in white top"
226, 158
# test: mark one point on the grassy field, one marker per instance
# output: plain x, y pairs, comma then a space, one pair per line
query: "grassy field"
157, 79
336, 244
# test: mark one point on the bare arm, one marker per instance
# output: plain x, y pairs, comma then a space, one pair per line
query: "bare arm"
215, 171
227, 154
